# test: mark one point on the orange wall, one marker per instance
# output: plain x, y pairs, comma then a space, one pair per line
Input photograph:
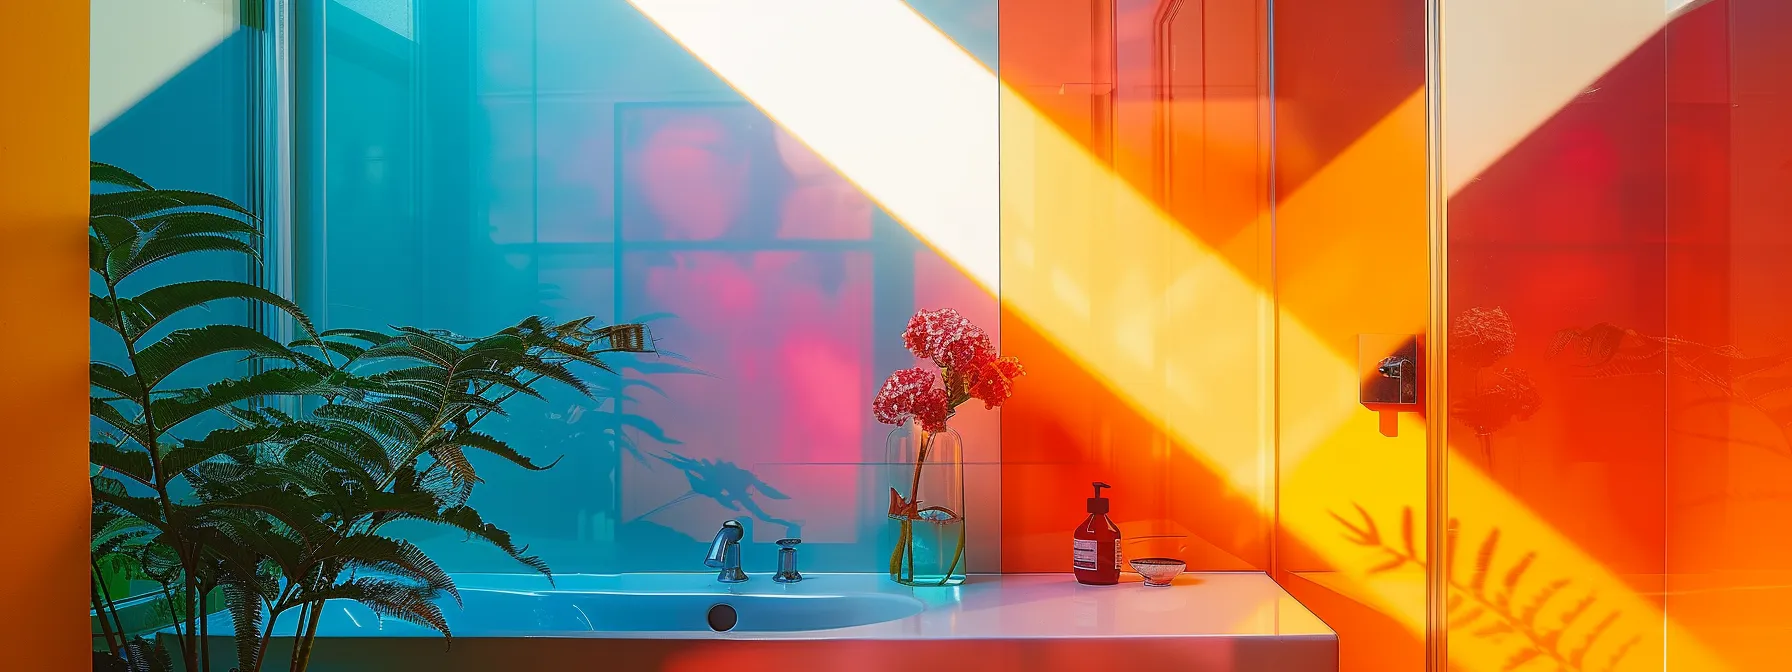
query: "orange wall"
1729, 234
1267, 451
1185, 169
43, 328
1352, 259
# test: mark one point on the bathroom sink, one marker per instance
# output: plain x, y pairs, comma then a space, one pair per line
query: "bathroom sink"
520, 605
1221, 621
498, 612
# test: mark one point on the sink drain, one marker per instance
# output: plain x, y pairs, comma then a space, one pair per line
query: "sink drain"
722, 618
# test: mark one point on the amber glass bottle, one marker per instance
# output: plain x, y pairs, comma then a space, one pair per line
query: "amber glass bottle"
1096, 558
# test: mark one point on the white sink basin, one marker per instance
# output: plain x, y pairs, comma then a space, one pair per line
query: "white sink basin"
511, 605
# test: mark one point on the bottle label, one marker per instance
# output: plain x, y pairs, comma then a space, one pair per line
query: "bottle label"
1083, 554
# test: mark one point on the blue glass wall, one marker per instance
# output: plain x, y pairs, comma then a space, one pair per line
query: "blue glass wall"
463, 164
173, 106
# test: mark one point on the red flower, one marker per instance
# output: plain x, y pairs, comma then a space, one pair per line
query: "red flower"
896, 402
932, 408
994, 381
947, 338
968, 364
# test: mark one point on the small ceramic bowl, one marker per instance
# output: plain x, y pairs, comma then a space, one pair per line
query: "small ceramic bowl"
1158, 571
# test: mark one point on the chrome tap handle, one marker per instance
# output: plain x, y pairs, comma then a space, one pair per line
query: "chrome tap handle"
726, 538
787, 562
724, 553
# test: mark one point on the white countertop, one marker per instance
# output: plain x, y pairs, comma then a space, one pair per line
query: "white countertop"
997, 606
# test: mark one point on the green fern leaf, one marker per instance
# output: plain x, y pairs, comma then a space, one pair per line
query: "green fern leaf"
158, 304
96, 255
409, 603
466, 519
118, 529
113, 379
113, 232
134, 204
421, 347
244, 604
491, 444
172, 411
393, 557
497, 378
105, 173
110, 415
120, 266
185, 346
454, 460
102, 311
147, 509
217, 442
132, 463
295, 510
380, 423
366, 336
196, 223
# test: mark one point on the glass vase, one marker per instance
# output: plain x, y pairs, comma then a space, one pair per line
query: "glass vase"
925, 528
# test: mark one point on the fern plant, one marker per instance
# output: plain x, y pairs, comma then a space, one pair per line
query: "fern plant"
392, 444
1505, 607
143, 460
281, 512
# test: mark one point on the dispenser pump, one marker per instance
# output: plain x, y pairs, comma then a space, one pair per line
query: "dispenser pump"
1095, 557
1098, 503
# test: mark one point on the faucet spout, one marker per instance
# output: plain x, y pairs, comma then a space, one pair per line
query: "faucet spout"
724, 553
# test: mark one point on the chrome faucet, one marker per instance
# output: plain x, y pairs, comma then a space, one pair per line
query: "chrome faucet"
724, 553
787, 562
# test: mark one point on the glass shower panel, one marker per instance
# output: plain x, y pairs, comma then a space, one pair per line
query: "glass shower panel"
468, 163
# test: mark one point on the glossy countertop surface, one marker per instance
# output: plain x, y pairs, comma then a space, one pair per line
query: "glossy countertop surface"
994, 606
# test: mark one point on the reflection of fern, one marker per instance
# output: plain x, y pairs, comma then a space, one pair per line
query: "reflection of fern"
1493, 612
1610, 351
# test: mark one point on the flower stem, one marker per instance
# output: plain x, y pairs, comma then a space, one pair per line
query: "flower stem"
914, 486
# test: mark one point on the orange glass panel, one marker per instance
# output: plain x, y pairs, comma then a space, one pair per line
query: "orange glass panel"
1167, 100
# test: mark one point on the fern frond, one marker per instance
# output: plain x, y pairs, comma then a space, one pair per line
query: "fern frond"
105, 173
105, 412
395, 599
495, 446
113, 379
120, 266
138, 203
172, 411
185, 346
132, 463
151, 307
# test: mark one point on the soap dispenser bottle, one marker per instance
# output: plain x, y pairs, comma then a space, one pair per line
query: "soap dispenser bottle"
1096, 560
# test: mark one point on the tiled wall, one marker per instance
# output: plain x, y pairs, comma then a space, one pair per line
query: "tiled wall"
569, 158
